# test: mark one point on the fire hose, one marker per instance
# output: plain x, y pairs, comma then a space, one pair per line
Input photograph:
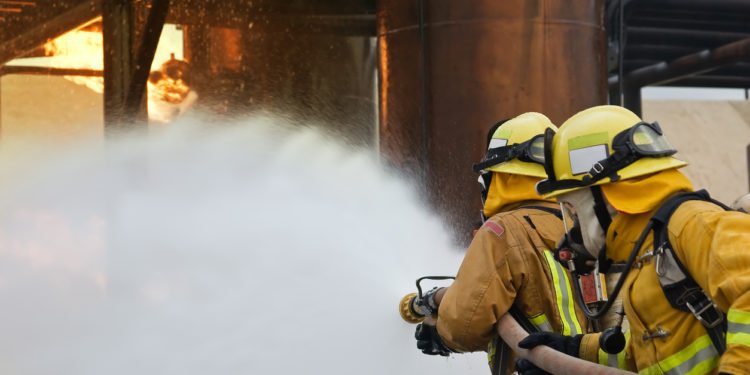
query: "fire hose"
413, 309
547, 358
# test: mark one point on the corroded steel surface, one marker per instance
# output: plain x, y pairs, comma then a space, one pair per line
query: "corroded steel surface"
470, 63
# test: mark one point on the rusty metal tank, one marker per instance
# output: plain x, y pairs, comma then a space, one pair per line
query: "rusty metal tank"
450, 69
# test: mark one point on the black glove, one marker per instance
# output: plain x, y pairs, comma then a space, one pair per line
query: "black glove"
569, 345
525, 367
429, 341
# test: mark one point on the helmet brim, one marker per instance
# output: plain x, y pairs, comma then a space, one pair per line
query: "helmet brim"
520, 167
641, 167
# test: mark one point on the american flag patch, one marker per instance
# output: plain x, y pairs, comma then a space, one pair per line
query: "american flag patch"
496, 228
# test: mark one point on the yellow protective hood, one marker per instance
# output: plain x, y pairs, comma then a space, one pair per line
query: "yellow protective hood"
507, 189
644, 194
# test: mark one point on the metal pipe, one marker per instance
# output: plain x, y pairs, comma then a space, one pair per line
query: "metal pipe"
697, 63
738, 82
690, 37
659, 52
694, 23
713, 5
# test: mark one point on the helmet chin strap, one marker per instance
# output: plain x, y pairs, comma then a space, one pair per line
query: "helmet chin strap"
605, 219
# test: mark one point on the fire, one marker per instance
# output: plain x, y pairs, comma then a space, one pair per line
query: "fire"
81, 48
169, 93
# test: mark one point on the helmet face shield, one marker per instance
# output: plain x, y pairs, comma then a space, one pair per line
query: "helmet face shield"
530, 151
647, 140
535, 150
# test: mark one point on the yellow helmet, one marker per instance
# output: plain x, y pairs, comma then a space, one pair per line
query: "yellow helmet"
517, 146
601, 145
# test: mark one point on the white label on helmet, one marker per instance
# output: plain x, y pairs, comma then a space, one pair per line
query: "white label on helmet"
582, 159
498, 142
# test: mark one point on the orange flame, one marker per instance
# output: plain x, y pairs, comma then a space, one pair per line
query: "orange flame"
82, 48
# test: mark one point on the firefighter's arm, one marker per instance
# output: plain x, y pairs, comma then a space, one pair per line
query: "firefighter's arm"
714, 247
482, 292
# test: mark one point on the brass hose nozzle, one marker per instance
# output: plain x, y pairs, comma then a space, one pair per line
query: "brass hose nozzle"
407, 312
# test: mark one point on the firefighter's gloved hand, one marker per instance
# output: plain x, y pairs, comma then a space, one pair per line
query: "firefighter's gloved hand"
526, 367
564, 344
429, 342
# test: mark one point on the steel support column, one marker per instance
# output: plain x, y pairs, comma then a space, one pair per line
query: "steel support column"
483, 60
632, 99
146, 50
118, 30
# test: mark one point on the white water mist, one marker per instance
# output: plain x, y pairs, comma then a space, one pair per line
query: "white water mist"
244, 248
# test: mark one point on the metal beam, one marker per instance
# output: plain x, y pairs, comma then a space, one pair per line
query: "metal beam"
145, 57
48, 71
614, 97
632, 99
52, 28
117, 30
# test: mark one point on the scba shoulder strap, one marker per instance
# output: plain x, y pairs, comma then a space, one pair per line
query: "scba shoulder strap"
681, 290
557, 213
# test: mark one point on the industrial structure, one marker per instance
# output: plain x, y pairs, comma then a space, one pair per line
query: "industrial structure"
421, 79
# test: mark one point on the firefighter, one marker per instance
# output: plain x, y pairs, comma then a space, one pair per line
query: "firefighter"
686, 284
509, 266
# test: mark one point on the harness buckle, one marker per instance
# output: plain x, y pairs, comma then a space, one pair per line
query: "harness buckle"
659, 333
597, 168
706, 307
659, 255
